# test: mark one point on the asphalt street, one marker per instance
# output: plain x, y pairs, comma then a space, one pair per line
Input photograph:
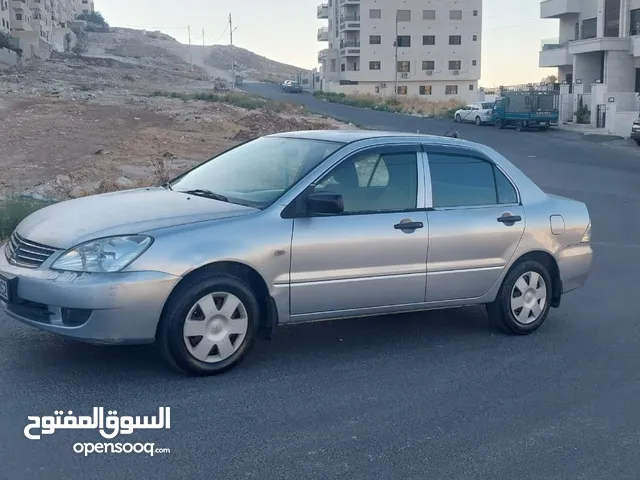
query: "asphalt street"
436, 395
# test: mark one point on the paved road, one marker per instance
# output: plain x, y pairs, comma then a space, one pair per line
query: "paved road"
435, 395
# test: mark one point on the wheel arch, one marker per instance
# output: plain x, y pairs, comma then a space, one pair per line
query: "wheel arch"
550, 263
268, 312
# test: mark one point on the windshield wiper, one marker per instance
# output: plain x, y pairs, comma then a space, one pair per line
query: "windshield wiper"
206, 193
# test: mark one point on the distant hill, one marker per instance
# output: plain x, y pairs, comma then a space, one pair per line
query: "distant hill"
250, 64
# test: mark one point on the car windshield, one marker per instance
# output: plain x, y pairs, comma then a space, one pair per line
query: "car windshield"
256, 173
487, 106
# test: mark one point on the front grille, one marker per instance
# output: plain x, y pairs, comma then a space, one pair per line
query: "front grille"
27, 254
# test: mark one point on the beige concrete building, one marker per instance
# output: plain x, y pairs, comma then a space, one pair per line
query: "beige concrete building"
41, 26
84, 6
430, 49
597, 54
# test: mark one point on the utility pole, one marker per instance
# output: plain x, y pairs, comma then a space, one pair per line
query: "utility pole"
190, 59
204, 55
233, 62
395, 88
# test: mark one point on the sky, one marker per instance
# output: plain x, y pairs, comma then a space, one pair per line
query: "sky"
285, 30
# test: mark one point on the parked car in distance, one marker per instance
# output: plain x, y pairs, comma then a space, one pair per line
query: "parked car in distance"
297, 227
635, 131
285, 84
293, 87
478, 113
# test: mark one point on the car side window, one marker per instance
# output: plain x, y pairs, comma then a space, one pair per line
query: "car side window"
466, 181
374, 182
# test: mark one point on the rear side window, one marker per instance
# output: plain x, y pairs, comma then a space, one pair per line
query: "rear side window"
466, 181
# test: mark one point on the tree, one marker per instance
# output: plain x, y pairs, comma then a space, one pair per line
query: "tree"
94, 17
550, 79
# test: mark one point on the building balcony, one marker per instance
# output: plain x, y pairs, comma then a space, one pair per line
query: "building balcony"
323, 34
558, 8
601, 44
20, 5
349, 2
349, 22
350, 49
323, 11
555, 54
635, 45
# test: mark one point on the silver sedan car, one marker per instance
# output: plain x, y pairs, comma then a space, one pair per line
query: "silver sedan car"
297, 227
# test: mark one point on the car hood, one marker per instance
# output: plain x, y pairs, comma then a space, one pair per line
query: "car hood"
65, 224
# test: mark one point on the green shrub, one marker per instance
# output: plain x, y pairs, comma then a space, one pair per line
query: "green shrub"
238, 99
13, 210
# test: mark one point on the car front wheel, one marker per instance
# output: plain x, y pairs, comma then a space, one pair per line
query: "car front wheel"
209, 324
458, 118
478, 121
523, 302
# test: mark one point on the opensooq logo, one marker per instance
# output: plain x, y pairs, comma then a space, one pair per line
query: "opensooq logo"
109, 427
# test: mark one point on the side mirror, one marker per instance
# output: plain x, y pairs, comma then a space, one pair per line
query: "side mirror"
325, 203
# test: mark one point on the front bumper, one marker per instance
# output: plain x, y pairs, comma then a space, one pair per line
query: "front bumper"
112, 308
574, 264
635, 134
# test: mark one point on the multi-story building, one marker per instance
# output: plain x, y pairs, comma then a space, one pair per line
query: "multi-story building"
430, 49
41, 26
597, 53
5, 17
83, 6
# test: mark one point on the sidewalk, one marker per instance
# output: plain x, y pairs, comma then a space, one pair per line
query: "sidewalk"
585, 130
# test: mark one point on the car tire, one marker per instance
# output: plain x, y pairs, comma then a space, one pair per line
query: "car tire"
515, 311
638, 142
478, 121
498, 124
223, 333
519, 127
458, 118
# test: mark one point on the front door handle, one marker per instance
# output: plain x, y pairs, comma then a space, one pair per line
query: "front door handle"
408, 225
506, 218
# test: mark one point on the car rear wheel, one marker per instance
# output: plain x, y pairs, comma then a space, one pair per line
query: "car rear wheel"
478, 121
458, 118
209, 324
519, 126
523, 302
638, 142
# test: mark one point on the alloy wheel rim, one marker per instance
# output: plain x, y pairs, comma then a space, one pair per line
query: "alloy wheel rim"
528, 298
215, 327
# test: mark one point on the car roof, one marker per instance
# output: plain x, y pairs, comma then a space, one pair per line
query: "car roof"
356, 135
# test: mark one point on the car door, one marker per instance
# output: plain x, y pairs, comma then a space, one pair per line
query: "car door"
476, 222
362, 259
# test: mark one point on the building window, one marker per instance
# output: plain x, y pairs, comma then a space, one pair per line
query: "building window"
425, 90
343, 67
374, 65
471, 88
475, 13
333, 64
428, 65
375, 39
455, 39
474, 62
375, 13
404, 40
475, 38
403, 15
589, 28
428, 14
451, 90
402, 90
403, 66
455, 65
377, 90
18, 16
635, 22
428, 40
455, 14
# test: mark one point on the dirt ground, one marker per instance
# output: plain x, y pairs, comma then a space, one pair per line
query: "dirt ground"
77, 125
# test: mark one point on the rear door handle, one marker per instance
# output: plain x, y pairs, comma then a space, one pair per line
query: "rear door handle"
408, 225
509, 218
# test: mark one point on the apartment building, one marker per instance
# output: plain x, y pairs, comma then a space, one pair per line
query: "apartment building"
40, 26
430, 49
83, 6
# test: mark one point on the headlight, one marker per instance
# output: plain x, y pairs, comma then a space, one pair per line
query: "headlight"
586, 238
104, 255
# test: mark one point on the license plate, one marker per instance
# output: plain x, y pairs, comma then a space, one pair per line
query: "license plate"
5, 293
543, 123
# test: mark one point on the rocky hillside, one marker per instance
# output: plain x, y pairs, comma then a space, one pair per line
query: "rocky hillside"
250, 64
